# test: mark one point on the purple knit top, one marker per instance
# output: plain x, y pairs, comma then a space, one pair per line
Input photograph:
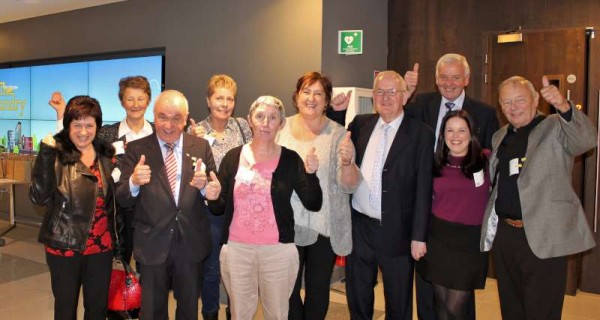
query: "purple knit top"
456, 198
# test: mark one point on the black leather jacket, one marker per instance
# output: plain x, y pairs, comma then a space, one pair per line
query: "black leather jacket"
68, 190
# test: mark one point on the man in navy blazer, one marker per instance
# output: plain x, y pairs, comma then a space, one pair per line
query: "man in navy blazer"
451, 77
172, 236
391, 206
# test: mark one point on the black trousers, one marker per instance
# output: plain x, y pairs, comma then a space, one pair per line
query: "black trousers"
317, 262
425, 300
529, 287
69, 274
361, 273
175, 273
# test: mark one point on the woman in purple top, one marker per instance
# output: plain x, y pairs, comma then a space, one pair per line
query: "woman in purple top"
461, 187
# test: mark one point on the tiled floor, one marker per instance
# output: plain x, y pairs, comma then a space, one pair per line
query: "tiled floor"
25, 288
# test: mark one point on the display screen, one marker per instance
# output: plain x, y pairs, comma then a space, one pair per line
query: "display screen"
26, 117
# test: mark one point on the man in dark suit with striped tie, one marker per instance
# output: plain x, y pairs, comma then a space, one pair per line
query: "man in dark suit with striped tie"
164, 180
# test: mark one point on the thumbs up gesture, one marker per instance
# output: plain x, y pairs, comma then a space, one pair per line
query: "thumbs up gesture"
199, 178
196, 130
213, 188
311, 164
346, 150
340, 101
551, 94
141, 173
412, 79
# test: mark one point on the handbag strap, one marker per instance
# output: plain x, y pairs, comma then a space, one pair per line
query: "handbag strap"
241, 131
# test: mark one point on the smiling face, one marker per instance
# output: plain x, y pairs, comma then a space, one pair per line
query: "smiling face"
389, 95
451, 79
311, 100
457, 136
82, 132
170, 115
135, 102
518, 103
221, 103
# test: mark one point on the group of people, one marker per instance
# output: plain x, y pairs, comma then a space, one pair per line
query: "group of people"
427, 183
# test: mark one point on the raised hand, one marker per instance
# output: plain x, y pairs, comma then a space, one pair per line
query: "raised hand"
57, 102
412, 78
196, 130
311, 164
213, 188
199, 179
346, 150
340, 101
141, 173
551, 94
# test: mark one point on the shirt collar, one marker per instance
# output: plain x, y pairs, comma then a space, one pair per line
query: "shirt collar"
124, 128
395, 124
178, 142
458, 102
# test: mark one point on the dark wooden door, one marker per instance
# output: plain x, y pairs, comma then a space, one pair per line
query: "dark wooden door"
590, 269
559, 54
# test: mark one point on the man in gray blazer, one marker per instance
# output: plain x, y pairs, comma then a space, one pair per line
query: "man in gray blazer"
534, 219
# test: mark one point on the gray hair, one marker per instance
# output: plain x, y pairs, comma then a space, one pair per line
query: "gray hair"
517, 80
267, 101
452, 58
173, 97
393, 74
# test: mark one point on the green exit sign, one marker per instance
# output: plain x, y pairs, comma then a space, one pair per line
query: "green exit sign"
350, 42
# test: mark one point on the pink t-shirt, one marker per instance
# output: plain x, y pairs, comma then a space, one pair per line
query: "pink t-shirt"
253, 215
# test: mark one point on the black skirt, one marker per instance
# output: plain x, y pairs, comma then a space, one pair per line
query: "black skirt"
453, 259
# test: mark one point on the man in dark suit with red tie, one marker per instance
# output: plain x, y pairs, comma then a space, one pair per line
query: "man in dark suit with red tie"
451, 77
164, 180
391, 206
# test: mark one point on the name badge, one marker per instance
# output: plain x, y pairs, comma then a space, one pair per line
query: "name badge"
119, 147
513, 166
210, 139
478, 178
244, 175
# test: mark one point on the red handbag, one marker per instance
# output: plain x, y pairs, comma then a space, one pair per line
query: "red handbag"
125, 292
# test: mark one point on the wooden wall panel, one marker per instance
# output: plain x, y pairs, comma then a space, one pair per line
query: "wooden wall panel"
422, 30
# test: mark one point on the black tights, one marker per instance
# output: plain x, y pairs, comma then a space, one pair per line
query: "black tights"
450, 304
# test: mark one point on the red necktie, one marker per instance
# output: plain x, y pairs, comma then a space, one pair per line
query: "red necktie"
171, 166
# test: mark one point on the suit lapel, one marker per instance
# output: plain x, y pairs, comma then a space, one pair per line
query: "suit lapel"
154, 159
400, 141
434, 111
535, 136
187, 166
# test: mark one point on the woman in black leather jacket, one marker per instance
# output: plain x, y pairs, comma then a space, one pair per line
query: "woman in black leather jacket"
72, 178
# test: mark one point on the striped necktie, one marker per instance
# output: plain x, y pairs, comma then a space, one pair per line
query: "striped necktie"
171, 166
449, 106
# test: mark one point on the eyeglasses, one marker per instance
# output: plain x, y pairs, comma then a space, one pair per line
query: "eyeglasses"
388, 93
164, 119
518, 101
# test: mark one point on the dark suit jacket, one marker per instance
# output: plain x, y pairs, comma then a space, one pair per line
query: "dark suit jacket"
426, 107
154, 207
406, 180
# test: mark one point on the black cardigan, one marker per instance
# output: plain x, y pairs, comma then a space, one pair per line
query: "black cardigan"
288, 176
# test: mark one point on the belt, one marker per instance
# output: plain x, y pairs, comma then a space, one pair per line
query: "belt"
514, 223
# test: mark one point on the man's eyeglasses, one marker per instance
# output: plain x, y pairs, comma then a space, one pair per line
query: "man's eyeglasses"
389, 93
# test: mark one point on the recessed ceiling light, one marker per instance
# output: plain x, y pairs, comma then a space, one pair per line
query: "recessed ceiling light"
27, 1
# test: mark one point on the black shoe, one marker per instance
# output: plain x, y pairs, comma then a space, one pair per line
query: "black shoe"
210, 316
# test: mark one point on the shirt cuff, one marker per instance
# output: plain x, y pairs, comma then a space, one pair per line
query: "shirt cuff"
135, 190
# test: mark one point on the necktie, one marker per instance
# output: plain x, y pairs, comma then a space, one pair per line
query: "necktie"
449, 106
171, 166
375, 192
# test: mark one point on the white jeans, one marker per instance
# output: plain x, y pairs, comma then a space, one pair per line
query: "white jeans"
251, 270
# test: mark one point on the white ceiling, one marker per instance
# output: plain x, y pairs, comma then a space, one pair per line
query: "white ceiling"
12, 10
